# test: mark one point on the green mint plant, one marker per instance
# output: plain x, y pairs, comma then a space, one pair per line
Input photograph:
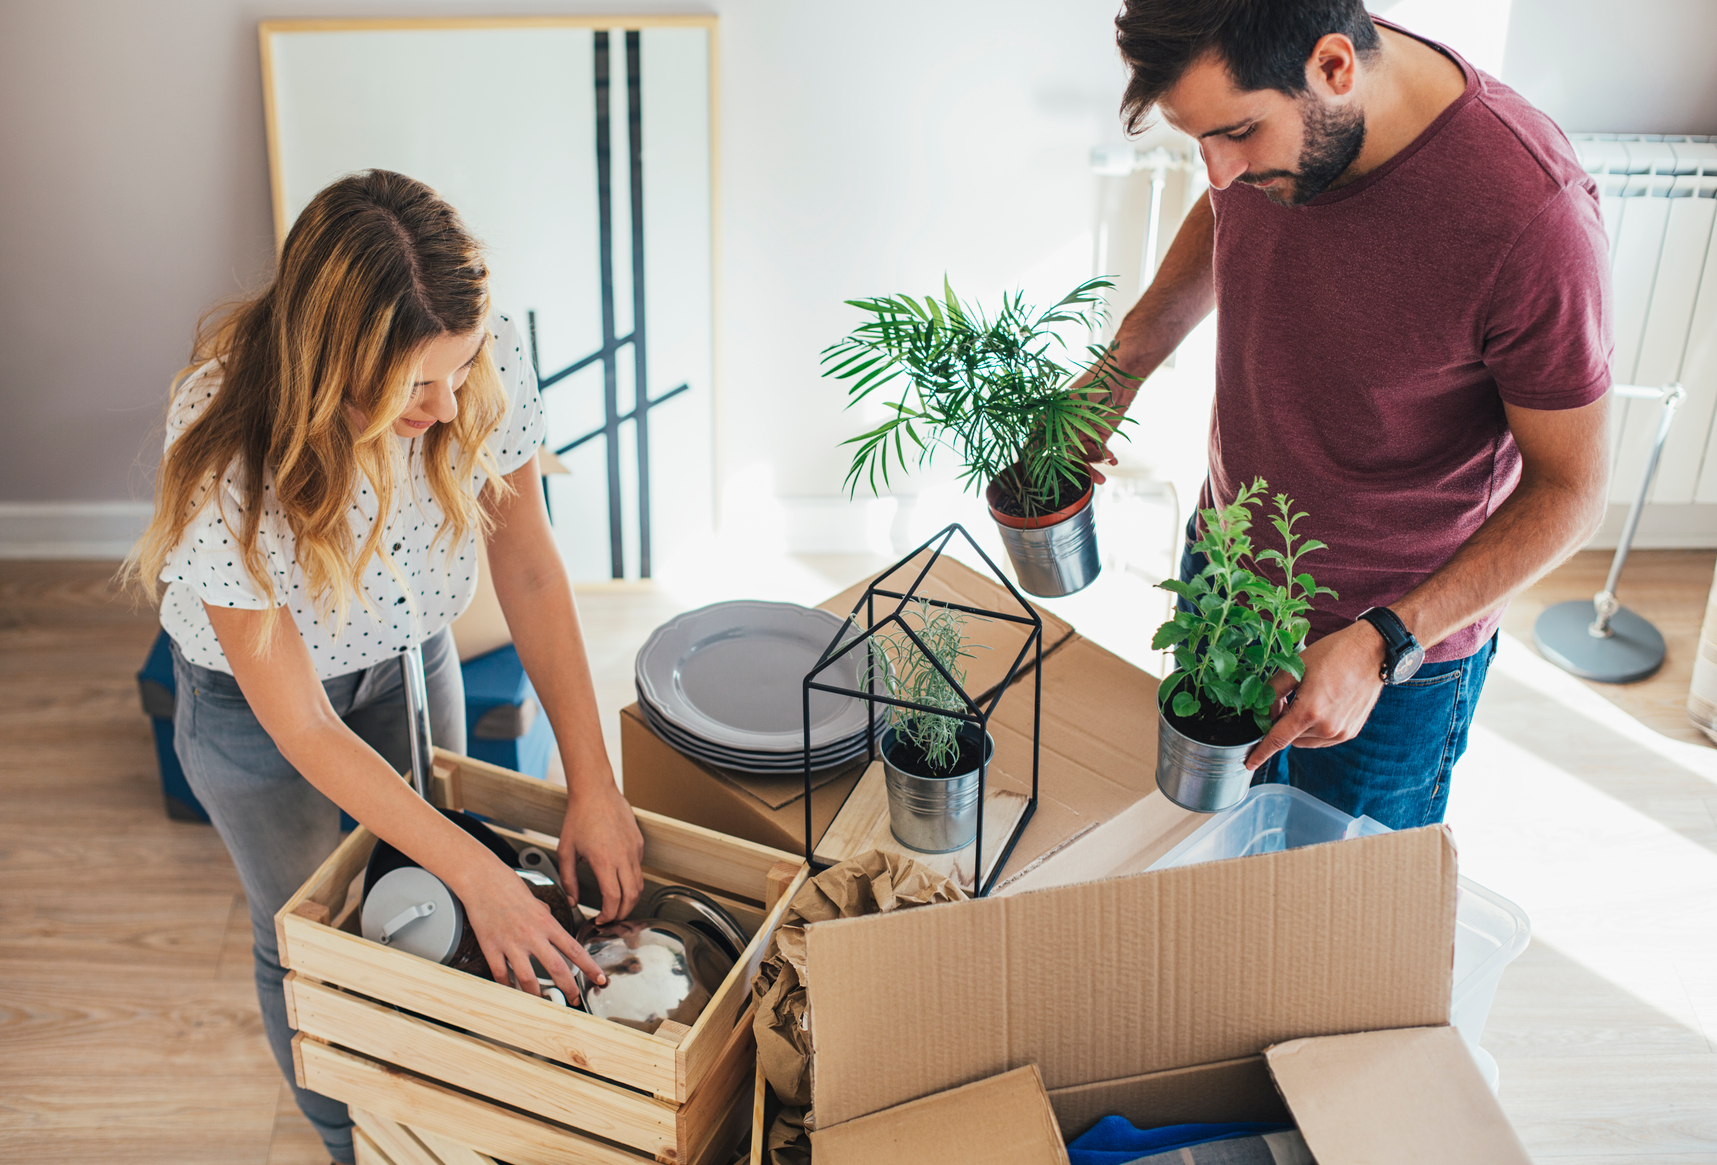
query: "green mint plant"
989, 390
906, 673
1246, 628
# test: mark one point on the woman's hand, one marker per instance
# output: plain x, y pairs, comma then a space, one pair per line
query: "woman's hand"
513, 926
601, 829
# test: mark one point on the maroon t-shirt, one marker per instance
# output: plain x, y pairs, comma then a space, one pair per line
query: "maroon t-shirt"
1366, 343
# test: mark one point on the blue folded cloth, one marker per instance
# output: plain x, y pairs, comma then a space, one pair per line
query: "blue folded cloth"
1114, 1141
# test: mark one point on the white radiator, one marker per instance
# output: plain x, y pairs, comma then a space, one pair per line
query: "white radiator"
1659, 201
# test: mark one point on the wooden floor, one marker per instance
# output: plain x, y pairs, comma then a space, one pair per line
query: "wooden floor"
1667, 587
129, 1028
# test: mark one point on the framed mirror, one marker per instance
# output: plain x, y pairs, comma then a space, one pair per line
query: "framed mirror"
581, 150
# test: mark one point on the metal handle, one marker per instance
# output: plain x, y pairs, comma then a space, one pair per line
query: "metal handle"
1604, 603
404, 918
417, 719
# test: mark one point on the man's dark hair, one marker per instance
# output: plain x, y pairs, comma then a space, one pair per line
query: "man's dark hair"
1264, 43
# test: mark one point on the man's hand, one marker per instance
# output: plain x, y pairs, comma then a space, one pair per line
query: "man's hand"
601, 829
1331, 704
1118, 392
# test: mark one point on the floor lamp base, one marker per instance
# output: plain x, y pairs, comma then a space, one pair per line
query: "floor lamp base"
1633, 651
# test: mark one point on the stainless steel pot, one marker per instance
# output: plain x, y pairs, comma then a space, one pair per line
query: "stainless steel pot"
1054, 555
1202, 777
934, 815
657, 971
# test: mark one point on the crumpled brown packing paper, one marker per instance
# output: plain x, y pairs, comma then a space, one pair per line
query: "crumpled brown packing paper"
788, 1143
872, 883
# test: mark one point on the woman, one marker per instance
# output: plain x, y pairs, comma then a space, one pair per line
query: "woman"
337, 448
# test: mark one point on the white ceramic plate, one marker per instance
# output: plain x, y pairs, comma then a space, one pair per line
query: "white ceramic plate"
732, 673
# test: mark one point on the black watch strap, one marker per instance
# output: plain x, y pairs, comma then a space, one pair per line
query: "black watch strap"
1398, 644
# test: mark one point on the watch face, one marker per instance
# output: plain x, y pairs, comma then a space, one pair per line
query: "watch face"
1408, 665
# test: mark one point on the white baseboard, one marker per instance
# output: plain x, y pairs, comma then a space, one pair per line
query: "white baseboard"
71, 529
1661, 527
812, 525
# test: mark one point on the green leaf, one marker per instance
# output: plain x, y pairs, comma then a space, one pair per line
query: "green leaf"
1168, 635
1292, 664
1186, 705
1222, 662
1175, 586
1225, 694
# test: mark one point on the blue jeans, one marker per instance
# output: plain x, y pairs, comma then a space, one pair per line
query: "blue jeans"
1397, 769
277, 826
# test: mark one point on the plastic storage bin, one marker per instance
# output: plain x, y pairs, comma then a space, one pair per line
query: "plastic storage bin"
1490, 931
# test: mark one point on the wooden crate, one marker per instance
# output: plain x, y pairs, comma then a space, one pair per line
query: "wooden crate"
508, 1074
380, 1141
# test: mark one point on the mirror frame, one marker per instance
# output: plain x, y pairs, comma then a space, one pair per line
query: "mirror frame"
269, 30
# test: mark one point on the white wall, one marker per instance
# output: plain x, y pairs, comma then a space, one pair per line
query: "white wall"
1617, 66
863, 150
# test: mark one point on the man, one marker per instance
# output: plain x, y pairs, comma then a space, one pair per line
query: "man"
1412, 343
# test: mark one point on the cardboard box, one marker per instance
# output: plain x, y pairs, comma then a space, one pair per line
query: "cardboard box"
1402, 1096
1099, 811
1097, 764
771, 810
1004, 1120
1173, 995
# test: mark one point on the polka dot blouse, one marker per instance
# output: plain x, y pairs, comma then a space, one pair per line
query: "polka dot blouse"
207, 567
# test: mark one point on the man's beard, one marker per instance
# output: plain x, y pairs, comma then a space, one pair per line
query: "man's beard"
1333, 140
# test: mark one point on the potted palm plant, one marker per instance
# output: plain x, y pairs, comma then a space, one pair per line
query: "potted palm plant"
994, 392
931, 761
1243, 627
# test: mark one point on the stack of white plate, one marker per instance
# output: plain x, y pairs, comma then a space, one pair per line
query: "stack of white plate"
724, 684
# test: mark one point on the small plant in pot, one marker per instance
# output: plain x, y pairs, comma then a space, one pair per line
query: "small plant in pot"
1244, 628
931, 760
992, 391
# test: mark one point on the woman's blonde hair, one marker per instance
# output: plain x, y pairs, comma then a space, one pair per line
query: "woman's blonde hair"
376, 267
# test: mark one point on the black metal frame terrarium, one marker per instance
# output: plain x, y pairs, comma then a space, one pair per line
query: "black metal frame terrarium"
840, 646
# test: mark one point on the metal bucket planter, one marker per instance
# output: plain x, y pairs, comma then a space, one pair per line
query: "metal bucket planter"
1205, 778
934, 815
1055, 554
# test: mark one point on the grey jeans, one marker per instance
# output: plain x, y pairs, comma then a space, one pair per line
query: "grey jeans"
275, 824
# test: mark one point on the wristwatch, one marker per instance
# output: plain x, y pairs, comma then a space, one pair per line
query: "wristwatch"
1402, 654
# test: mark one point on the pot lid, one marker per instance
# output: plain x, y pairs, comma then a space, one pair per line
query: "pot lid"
412, 910
684, 905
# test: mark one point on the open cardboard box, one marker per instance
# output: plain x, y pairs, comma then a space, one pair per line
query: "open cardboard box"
1273, 987
1097, 797
1402, 1097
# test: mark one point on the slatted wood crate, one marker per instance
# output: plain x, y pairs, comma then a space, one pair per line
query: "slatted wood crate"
508, 1074
380, 1141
